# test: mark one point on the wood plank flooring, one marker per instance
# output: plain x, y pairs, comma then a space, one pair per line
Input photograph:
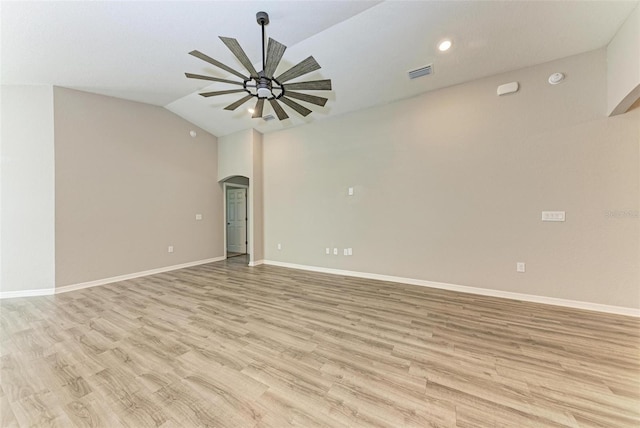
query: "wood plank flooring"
226, 345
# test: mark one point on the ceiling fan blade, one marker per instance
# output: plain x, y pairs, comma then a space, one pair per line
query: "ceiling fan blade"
238, 103
275, 50
239, 53
218, 64
300, 69
278, 109
297, 107
318, 85
215, 79
257, 110
319, 101
213, 94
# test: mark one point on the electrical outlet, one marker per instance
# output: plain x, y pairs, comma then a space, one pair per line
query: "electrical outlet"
198, 216
345, 252
279, 246
350, 191
335, 251
520, 267
327, 250
170, 249
349, 251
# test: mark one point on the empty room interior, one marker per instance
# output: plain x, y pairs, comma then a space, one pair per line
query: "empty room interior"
320, 214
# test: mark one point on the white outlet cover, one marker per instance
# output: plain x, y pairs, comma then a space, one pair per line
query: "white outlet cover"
279, 246
350, 191
350, 251
198, 216
520, 267
345, 252
335, 251
327, 250
170, 249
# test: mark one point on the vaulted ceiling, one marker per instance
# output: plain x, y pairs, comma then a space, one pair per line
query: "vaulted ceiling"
138, 50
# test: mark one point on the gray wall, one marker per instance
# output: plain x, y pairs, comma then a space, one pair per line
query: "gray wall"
450, 185
129, 183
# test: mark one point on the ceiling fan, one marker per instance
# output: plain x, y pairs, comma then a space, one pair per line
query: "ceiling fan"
262, 84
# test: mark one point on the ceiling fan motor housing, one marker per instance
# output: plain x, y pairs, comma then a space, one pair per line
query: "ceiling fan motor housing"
264, 87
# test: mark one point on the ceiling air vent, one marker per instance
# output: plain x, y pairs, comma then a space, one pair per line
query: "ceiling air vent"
268, 117
422, 71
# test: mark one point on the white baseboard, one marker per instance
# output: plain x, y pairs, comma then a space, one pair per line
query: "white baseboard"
72, 287
113, 279
27, 293
619, 310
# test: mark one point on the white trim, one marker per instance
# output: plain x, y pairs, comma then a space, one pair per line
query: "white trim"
26, 293
104, 281
619, 310
256, 263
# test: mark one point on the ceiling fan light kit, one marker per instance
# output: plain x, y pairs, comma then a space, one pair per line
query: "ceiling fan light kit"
262, 84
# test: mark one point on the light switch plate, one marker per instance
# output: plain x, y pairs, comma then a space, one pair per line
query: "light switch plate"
350, 191
520, 267
198, 216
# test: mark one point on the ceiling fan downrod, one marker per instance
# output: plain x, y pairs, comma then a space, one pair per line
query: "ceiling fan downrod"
264, 88
263, 19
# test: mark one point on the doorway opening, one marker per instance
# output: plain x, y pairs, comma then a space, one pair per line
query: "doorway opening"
236, 217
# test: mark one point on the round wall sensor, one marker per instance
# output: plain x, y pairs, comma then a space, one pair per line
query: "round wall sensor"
193, 134
556, 78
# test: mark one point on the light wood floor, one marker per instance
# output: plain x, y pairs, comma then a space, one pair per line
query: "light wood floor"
225, 345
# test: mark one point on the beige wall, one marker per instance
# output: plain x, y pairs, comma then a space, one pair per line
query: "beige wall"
256, 191
235, 155
129, 182
27, 250
450, 185
240, 154
623, 66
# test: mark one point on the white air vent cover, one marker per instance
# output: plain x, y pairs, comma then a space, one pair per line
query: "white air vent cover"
268, 117
422, 71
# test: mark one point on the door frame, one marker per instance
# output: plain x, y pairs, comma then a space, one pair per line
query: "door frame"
224, 192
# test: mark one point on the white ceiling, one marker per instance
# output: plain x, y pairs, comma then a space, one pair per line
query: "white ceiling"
138, 50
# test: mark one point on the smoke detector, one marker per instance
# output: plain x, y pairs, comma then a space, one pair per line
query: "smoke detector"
556, 78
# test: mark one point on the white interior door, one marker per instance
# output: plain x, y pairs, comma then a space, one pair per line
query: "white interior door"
236, 220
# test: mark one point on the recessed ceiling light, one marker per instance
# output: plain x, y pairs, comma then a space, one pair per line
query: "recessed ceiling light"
444, 45
250, 110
